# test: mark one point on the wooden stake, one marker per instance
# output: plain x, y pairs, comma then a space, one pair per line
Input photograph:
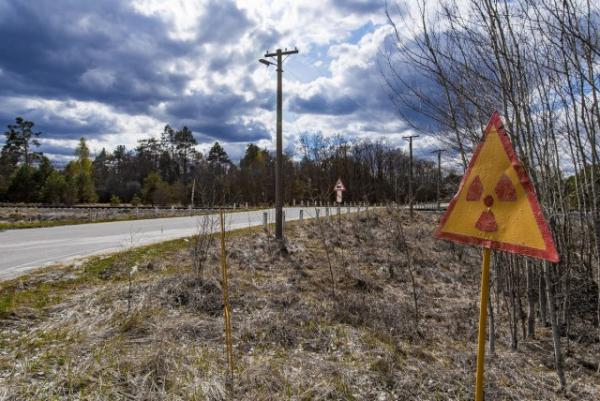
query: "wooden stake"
226, 312
485, 289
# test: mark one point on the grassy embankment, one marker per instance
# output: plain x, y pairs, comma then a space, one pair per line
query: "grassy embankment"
303, 328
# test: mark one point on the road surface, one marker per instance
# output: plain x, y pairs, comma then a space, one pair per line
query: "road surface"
26, 249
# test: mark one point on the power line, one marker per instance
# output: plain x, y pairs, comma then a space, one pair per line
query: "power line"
279, 151
410, 172
439, 176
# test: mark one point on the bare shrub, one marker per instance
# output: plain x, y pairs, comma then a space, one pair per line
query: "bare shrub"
202, 244
326, 245
400, 243
379, 315
137, 322
193, 293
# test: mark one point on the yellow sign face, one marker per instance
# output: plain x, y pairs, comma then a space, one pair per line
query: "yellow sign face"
496, 206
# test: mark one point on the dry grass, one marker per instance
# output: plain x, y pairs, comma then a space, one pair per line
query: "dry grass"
293, 340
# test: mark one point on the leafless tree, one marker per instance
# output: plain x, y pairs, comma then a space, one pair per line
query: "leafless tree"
536, 63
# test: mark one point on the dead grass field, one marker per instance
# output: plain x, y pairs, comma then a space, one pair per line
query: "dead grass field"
84, 333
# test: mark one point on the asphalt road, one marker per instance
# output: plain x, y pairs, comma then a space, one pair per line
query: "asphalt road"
26, 249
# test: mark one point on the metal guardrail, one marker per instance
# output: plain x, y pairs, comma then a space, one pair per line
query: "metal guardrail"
111, 207
430, 206
93, 207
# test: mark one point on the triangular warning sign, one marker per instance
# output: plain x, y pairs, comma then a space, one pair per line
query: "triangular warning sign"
496, 206
339, 185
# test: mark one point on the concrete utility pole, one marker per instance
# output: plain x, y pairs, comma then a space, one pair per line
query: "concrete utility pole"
439, 176
193, 191
279, 159
410, 173
192, 200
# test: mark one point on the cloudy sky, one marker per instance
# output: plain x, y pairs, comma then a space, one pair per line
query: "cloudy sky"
116, 71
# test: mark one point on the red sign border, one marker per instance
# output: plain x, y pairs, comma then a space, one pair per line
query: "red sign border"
549, 253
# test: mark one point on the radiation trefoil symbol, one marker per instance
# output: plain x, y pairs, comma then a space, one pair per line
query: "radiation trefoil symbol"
505, 192
496, 205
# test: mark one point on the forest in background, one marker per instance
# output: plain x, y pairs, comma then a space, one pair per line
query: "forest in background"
165, 170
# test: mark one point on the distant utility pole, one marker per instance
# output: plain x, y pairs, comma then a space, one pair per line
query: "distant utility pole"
279, 159
192, 200
410, 173
439, 176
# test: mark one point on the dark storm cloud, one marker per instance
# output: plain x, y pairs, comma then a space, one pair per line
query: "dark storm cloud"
408, 90
106, 51
222, 22
221, 104
53, 125
56, 150
217, 116
102, 51
229, 132
58, 127
319, 104
266, 39
359, 6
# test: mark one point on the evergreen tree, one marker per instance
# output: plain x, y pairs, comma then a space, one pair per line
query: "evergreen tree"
184, 143
20, 137
217, 156
156, 191
101, 172
54, 188
22, 186
81, 174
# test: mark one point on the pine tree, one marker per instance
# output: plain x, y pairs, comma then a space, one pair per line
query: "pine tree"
81, 174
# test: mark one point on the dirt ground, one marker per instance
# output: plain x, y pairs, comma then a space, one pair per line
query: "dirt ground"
369, 307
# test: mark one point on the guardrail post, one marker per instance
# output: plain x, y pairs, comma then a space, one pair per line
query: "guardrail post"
317, 211
327, 212
301, 216
266, 221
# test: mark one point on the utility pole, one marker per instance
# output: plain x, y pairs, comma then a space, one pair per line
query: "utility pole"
410, 173
439, 176
193, 191
279, 156
192, 200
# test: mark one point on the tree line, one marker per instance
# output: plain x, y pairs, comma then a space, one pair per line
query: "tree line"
168, 169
